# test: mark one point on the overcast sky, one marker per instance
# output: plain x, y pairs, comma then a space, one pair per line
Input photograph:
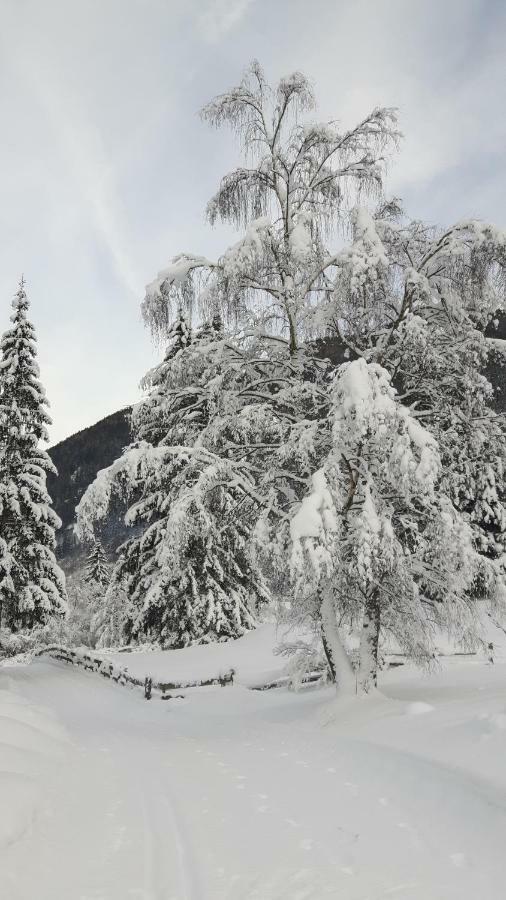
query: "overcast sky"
105, 167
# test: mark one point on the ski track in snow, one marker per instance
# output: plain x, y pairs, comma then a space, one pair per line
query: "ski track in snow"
235, 795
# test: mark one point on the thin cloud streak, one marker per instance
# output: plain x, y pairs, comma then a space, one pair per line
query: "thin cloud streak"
92, 172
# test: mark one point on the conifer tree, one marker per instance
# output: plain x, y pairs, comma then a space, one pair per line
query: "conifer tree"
189, 574
97, 568
33, 589
109, 625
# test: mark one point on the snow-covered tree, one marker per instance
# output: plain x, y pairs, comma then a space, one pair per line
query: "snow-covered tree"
33, 588
291, 197
151, 421
188, 575
6, 585
376, 538
97, 568
417, 299
109, 624
191, 579
250, 403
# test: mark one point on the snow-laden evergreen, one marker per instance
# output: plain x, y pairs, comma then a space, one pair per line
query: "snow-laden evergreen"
32, 586
189, 576
402, 442
97, 571
111, 613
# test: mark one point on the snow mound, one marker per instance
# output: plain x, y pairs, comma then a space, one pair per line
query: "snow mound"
31, 745
252, 657
419, 708
494, 721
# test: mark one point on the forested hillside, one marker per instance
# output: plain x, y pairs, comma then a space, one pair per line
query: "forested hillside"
78, 459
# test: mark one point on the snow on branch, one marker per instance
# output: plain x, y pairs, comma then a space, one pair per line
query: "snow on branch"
245, 255
243, 194
365, 260
312, 530
368, 414
175, 286
118, 479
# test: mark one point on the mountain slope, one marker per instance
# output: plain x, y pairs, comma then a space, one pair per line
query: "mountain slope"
78, 459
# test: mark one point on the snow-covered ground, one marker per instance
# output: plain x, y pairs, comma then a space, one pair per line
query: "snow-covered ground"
233, 794
254, 658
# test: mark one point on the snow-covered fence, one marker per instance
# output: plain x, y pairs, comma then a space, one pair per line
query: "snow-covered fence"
315, 678
91, 663
121, 675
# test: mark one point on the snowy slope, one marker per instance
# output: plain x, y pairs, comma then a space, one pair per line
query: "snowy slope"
240, 795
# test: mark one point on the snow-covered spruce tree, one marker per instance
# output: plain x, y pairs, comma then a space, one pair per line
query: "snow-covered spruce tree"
97, 568
109, 624
152, 421
188, 576
34, 589
6, 586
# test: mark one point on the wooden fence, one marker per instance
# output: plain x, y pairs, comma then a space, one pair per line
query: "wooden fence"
121, 675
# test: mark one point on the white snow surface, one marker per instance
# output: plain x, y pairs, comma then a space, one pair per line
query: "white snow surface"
252, 657
234, 794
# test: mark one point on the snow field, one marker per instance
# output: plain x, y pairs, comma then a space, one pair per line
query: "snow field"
32, 745
234, 794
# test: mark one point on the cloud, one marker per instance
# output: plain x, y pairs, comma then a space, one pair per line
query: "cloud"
82, 151
220, 17
91, 170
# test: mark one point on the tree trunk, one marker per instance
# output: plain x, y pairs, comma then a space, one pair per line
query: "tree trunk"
369, 642
339, 663
328, 654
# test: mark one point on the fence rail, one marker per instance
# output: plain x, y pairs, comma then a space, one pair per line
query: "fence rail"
121, 675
